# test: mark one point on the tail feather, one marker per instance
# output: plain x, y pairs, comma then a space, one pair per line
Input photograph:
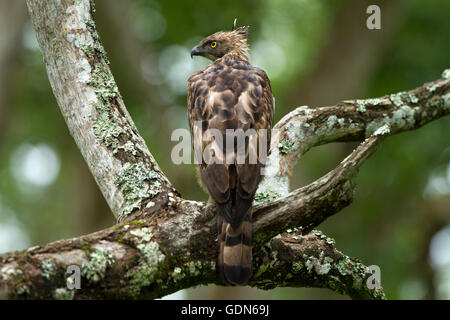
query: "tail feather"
235, 256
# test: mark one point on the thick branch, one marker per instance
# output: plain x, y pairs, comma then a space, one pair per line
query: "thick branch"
296, 260
90, 102
140, 260
350, 120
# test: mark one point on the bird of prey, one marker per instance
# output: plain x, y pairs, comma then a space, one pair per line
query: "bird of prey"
228, 95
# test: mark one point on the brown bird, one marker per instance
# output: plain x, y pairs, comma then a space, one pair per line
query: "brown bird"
230, 94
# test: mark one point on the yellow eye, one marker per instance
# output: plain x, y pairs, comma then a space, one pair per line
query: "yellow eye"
213, 44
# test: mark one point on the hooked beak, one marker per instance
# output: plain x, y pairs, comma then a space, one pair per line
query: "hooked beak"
195, 52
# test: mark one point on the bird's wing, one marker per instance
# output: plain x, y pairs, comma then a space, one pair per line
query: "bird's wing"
255, 105
224, 98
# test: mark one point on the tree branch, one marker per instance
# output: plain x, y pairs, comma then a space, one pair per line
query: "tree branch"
311, 260
165, 243
146, 260
350, 120
90, 102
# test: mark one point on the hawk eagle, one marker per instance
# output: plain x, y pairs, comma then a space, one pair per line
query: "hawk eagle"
230, 94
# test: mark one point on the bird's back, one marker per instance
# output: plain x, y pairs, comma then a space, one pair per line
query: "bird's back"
231, 94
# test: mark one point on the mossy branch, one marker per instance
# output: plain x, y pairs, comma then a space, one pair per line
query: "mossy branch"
141, 259
164, 243
350, 120
90, 102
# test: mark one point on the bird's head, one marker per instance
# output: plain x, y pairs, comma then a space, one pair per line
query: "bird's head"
221, 43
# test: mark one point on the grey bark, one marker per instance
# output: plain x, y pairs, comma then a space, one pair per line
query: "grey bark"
78, 70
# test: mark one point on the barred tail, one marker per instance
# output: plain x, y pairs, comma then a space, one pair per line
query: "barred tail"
235, 256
